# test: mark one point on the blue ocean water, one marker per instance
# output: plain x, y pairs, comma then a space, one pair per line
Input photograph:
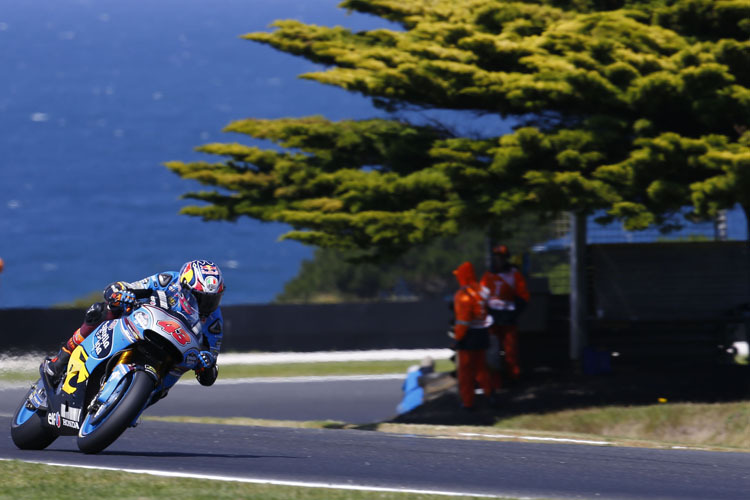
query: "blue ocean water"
95, 95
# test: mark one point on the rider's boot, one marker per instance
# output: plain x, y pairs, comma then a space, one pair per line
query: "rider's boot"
55, 367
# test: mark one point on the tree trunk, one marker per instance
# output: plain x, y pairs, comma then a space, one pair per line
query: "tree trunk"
578, 291
746, 211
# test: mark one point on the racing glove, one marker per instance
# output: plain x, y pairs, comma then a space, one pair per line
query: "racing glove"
119, 297
206, 359
207, 372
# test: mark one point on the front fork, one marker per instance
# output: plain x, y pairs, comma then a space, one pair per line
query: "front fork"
109, 392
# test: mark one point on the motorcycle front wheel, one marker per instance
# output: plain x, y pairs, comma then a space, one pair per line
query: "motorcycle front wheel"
100, 428
28, 429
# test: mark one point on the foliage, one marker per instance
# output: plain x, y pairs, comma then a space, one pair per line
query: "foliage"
81, 303
424, 271
631, 106
557, 271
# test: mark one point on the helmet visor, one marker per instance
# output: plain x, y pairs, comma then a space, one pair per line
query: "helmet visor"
207, 302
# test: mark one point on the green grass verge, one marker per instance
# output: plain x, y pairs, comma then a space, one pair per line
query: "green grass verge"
19, 376
36, 481
280, 370
328, 368
694, 424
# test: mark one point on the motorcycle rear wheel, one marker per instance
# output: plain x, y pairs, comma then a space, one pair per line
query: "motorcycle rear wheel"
97, 434
29, 429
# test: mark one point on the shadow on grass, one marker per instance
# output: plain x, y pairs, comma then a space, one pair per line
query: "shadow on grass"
560, 390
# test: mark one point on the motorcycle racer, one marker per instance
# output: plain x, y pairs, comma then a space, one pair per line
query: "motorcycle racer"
201, 280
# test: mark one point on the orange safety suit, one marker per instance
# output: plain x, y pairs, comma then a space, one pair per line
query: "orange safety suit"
507, 295
472, 336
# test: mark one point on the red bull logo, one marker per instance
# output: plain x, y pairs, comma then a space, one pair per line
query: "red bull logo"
209, 269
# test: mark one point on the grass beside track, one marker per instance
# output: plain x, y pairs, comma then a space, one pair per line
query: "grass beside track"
325, 368
692, 424
30, 481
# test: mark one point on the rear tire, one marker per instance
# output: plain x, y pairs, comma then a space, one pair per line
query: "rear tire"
29, 429
93, 437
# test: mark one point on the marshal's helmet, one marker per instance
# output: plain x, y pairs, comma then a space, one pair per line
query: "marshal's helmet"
205, 281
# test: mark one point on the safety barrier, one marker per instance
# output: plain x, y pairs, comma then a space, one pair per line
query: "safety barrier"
281, 327
544, 330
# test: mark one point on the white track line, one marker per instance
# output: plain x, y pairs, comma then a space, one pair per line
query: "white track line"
276, 482
537, 438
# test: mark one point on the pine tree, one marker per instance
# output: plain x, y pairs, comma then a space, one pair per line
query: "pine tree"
636, 108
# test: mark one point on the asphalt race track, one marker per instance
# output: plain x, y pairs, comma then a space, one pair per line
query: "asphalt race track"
353, 401
369, 459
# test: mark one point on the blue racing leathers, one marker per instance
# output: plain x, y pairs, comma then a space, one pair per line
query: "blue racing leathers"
212, 329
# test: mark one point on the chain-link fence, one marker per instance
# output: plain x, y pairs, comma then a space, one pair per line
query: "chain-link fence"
547, 246
654, 297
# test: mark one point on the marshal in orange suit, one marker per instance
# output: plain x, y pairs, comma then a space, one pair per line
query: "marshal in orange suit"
472, 336
508, 295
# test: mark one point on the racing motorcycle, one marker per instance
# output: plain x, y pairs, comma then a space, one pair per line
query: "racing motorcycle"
112, 376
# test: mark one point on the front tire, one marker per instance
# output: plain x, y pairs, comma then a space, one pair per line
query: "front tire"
99, 431
29, 429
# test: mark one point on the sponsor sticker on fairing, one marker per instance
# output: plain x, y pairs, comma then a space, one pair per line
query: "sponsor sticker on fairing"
141, 318
70, 423
54, 419
70, 416
103, 340
70, 413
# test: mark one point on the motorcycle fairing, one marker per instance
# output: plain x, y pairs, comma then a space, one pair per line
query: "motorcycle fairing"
65, 405
61, 411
